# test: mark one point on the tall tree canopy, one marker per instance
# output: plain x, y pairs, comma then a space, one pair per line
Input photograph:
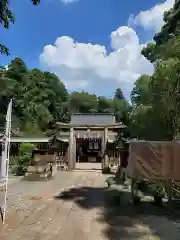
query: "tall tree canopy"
167, 40
156, 98
37, 96
141, 91
119, 94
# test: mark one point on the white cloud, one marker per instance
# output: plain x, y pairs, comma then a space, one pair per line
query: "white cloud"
82, 65
68, 1
152, 18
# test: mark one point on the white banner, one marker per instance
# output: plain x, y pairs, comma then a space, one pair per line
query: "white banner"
6, 145
4, 164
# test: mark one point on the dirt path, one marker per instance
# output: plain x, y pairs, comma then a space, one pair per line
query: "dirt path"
73, 206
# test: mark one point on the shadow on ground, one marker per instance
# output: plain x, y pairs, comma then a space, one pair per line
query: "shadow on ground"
123, 220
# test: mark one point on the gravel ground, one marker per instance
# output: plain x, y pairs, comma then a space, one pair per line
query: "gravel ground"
75, 205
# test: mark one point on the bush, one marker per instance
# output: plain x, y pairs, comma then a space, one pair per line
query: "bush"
19, 170
157, 190
26, 149
13, 160
25, 156
148, 187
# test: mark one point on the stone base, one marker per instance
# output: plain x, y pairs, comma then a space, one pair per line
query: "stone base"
62, 167
38, 173
54, 171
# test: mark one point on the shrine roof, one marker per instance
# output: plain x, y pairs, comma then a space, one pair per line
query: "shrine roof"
94, 120
91, 119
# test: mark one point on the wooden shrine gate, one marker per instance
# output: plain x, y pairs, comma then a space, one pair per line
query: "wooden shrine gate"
88, 137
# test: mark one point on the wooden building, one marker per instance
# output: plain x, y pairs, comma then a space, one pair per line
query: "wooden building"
89, 136
40, 142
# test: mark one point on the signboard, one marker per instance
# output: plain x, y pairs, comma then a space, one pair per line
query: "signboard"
88, 134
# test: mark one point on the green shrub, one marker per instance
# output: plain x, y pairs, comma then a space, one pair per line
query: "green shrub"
19, 170
157, 190
25, 156
13, 160
26, 149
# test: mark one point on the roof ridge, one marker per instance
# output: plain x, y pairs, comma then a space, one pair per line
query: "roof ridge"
87, 114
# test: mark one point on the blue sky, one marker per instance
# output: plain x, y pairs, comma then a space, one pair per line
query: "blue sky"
97, 45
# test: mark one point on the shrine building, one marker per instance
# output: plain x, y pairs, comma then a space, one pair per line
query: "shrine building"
89, 138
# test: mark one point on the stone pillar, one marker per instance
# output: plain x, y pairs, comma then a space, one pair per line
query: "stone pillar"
105, 159
70, 150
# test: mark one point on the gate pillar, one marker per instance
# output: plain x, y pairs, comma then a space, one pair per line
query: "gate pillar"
105, 159
72, 150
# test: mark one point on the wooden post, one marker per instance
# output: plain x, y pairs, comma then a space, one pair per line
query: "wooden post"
105, 161
74, 151
169, 190
133, 182
70, 150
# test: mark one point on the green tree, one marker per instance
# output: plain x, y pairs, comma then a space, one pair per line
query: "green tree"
121, 110
16, 69
162, 94
141, 91
166, 93
104, 105
38, 97
166, 37
171, 28
36, 100
58, 95
119, 94
169, 49
147, 124
120, 106
82, 102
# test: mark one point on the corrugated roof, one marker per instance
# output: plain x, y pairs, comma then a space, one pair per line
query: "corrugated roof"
92, 119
